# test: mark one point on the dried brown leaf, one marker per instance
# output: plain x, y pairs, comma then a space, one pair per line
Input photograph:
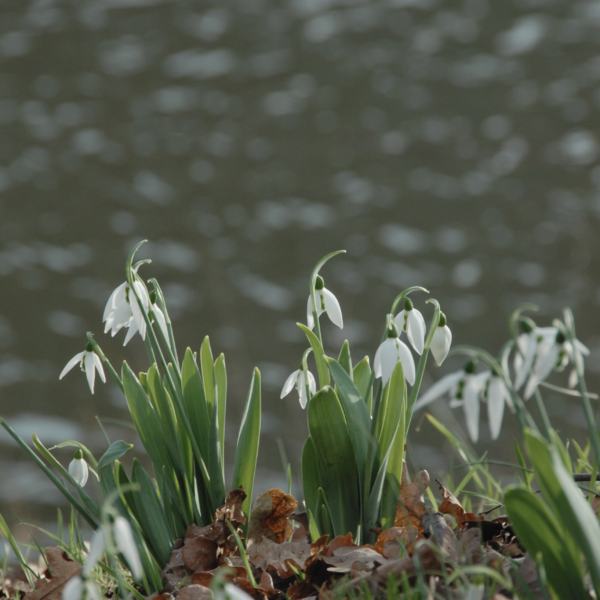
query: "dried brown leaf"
268, 555
62, 569
194, 592
232, 509
411, 505
390, 542
341, 541
200, 554
450, 505
436, 527
345, 559
269, 517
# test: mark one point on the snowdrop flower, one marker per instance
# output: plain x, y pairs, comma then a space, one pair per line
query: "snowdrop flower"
89, 362
442, 338
230, 592
97, 548
534, 342
326, 302
73, 589
411, 320
78, 469
127, 546
497, 396
464, 388
391, 352
298, 380
158, 314
556, 355
123, 310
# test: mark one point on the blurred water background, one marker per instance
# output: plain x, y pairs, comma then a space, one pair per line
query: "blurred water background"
449, 144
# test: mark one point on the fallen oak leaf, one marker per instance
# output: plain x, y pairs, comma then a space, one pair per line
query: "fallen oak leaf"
62, 570
195, 592
269, 517
268, 555
344, 559
392, 542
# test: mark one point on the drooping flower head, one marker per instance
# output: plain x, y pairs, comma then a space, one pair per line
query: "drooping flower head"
326, 302
89, 362
78, 469
391, 352
157, 314
441, 341
298, 380
123, 310
412, 322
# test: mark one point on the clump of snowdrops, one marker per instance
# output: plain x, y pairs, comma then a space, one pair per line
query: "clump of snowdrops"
359, 417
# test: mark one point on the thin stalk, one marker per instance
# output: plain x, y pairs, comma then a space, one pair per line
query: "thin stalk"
243, 554
105, 361
539, 403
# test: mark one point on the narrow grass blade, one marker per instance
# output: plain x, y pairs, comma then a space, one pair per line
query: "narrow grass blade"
208, 375
221, 379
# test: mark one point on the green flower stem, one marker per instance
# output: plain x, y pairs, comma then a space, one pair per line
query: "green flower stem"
400, 297
539, 403
105, 361
243, 554
63, 490
149, 350
305, 370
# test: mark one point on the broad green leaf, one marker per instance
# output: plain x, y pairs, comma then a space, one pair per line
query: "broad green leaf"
566, 502
208, 375
221, 379
146, 421
361, 374
319, 353
115, 451
345, 359
337, 463
150, 514
393, 406
143, 377
108, 485
358, 420
246, 452
195, 402
393, 472
325, 523
311, 480
540, 532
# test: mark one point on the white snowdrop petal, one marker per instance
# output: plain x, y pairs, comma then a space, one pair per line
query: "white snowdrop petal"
332, 306
92, 591
582, 348
495, 404
407, 360
97, 547
160, 319
73, 589
527, 361
132, 330
74, 361
127, 546
289, 384
545, 363
78, 470
117, 296
388, 359
90, 371
310, 322
400, 320
416, 331
99, 367
440, 344
235, 593
439, 388
312, 384
471, 407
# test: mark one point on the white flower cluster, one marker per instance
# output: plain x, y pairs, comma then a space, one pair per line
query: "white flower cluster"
539, 351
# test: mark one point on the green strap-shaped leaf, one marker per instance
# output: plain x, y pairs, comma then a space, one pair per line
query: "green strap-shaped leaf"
221, 379
359, 423
319, 353
151, 515
215, 463
311, 480
195, 402
393, 406
566, 502
337, 463
345, 359
246, 452
540, 532
146, 421
208, 375
163, 405
361, 374
115, 451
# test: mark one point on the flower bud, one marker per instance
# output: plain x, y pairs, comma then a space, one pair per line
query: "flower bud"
319, 283
392, 331
470, 366
78, 469
89, 347
560, 337
442, 322
408, 304
525, 326
153, 296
